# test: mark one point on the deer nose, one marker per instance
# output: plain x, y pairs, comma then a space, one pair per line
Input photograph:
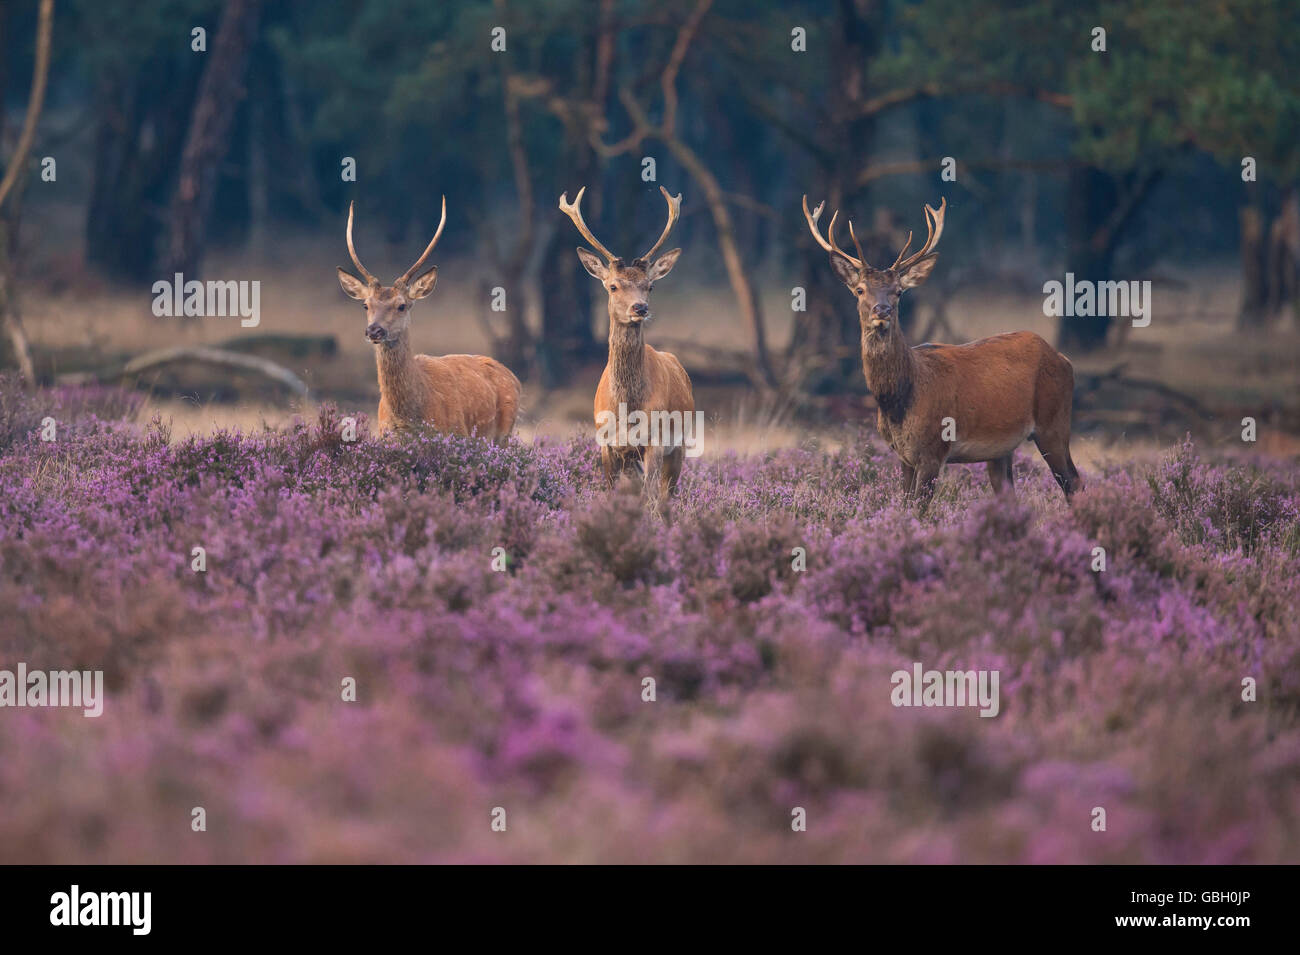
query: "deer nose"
640, 309
376, 333
882, 310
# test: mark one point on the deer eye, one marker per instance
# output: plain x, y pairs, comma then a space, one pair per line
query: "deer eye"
862, 291
613, 287
402, 307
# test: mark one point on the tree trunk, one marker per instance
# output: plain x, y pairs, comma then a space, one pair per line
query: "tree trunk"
742, 284
1283, 257
12, 184
1091, 195
567, 342
826, 340
208, 140
132, 172
1254, 290
14, 347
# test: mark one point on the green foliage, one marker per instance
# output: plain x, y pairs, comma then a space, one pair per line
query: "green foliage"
1218, 76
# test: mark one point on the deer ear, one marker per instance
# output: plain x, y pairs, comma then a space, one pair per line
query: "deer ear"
353, 286
663, 265
423, 285
919, 272
592, 263
846, 270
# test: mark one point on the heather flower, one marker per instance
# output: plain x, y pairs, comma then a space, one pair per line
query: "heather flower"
632, 689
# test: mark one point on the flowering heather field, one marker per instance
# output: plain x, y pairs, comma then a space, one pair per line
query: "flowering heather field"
523, 689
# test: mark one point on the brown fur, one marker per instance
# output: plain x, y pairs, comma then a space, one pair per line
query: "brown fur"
998, 391
636, 375
457, 394
645, 380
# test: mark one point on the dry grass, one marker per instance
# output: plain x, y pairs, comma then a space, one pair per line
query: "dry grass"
1191, 344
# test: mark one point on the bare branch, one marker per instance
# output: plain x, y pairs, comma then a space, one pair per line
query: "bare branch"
35, 103
716, 199
910, 167
669, 79
878, 104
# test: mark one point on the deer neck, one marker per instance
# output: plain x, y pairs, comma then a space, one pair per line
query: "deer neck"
401, 382
627, 364
890, 369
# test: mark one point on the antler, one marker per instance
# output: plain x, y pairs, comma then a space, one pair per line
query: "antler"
406, 276
352, 251
674, 211
829, 242
934, 229
574, 211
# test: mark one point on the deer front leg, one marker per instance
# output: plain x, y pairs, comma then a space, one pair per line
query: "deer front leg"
656, 477
909, 479
1001, 475
672, 470
611, 465
927, 475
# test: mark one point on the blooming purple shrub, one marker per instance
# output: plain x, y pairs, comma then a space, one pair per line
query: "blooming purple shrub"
500, 614
22, 411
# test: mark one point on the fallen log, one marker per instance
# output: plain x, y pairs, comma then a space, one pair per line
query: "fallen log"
294, 346
1088, 384
167, 356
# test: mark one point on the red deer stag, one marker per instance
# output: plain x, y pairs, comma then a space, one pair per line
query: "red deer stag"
459, 394
959, 403
636, 376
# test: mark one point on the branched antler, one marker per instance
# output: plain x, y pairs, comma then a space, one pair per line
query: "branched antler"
934, 229
934, 224
674, 211
829, 243
574, 211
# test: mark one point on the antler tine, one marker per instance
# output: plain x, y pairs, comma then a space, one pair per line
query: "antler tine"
352, 251
938, 216
934, 229
406, 276
574, 211
857, 245
861, 261
906, 245
674, 211
835, 247
813, 218
829, 242
905, 262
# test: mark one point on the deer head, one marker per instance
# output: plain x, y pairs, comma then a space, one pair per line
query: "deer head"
628, 283
878, 290
388, 307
